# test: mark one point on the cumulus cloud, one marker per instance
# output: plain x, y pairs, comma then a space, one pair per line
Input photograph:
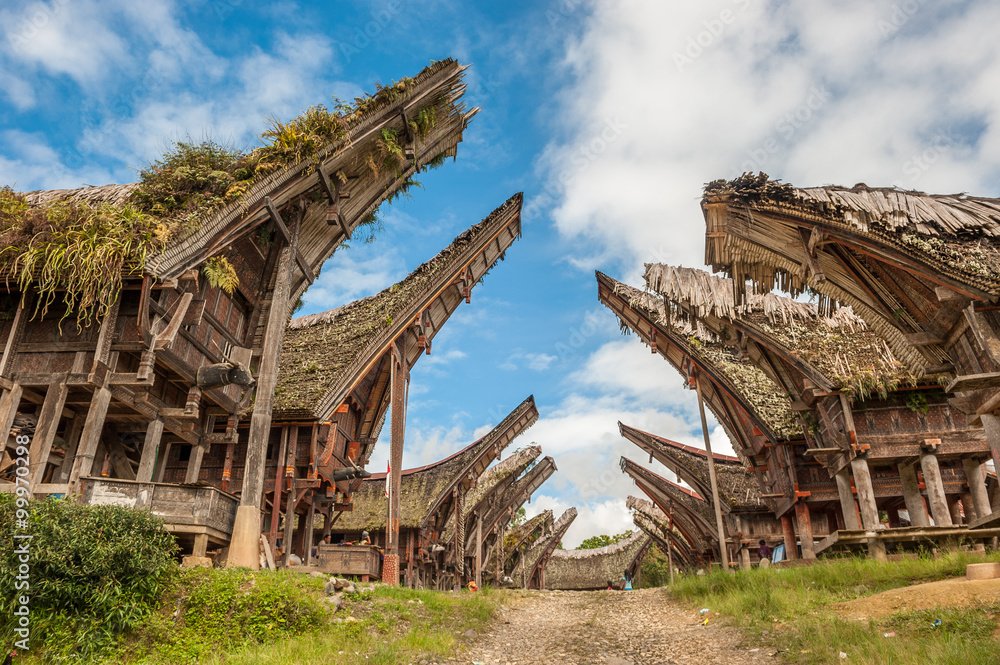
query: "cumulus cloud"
667, 96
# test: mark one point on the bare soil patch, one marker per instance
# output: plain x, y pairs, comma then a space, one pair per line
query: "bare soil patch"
956, 592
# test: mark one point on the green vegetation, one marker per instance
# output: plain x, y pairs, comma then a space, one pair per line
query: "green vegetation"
792, 609
84, 251
602, 540
97, 573
221, 274
654, 570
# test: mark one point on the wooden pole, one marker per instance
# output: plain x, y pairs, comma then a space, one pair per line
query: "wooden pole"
479, 550
150, 448
804, 522
788, 533
975, 475
723, 550
397, 392
45, 432
911, 495
670, 542
244, 547
279, 484
91, 437
847, 506
935, 489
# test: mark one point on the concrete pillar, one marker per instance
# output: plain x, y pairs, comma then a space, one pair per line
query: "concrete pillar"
847, 506
803, 523
935, 489
788, 532
866, 494
911, 495
975, 476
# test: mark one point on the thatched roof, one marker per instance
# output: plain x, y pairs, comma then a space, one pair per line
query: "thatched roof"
656, 524
592, 569
542, 548
738, 489
424, 489
439, 84
324, 354
664, 492
757, 391
839, 346
499, 494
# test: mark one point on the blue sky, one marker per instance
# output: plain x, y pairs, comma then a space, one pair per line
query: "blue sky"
608, 116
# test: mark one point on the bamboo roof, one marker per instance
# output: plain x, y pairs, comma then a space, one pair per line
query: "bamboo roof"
424, 489
691, 509
758, 392
592, 569
738, 489
840, 345
541, 549
440, 85
324, 354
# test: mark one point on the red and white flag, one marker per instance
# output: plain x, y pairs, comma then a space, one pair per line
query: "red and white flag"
388, 478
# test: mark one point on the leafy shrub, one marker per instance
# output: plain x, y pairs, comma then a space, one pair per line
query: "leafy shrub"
97, 572
221, 274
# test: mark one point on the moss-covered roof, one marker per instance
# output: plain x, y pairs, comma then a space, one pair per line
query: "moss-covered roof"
681, 497
737, 487
422, 489
769, 402
592, 569
323, 354
544, 545
957, 234
840, 346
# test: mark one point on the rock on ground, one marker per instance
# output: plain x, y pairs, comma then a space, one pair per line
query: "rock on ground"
643, 627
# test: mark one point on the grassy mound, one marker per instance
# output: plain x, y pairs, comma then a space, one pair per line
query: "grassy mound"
791, 609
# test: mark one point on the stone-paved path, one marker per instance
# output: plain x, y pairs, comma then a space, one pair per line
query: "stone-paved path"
643, 627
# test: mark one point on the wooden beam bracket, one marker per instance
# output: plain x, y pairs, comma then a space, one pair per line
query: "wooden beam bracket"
279, 223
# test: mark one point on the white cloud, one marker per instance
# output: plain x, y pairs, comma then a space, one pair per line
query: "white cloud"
667, 96
349, 275
538, 362
601, 517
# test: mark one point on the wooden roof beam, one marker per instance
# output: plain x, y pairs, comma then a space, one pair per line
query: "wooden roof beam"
279, 223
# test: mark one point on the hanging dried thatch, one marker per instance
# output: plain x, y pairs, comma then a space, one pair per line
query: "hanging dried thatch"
591, 569
840, 345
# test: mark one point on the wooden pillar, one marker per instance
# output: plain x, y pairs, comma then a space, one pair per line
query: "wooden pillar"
719, 525
955, 509
72, 443
200, 545
45, 431
9, 402
847, 506
804, 523
91, 436
194, 463
935, 489
310, 533
911, 495
991, 424
479, 550
244, 547
866, 494
788, 532
398, 379
744, 557
459, 540
279, 487
150, 448
289, 470
975, 476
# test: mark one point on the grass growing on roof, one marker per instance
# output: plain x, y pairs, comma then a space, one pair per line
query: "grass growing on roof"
792, 610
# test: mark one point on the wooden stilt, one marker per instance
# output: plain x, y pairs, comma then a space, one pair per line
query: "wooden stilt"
200, 545
955, 509
935, 489
719, 524
310, 534
803, 522
479, 551
848, 508
279, 485
991, 424
788, 533
866, 494
150, 449
244, 548
975, 476
398, 379
45, 432
9, 403
161, 467
911, 495
91, 436
194, 463
72, 443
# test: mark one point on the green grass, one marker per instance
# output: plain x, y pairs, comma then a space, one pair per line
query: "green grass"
791, 610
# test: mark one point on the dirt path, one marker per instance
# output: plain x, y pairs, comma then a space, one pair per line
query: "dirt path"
642, 627
957, 592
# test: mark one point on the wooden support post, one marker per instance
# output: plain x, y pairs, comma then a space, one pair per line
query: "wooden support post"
968, 508
935, 489
744, 557
150, 448
479, 550
991, 424
803, 522
45, 431
788, 533
848, 508
397, 391
866, 494
72, 443
975, 475
194, 462
279, 484
200, 545
91, 436
670, 542
310, 533
289, 469
244, 547
911, 495
9, 402
719, 525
